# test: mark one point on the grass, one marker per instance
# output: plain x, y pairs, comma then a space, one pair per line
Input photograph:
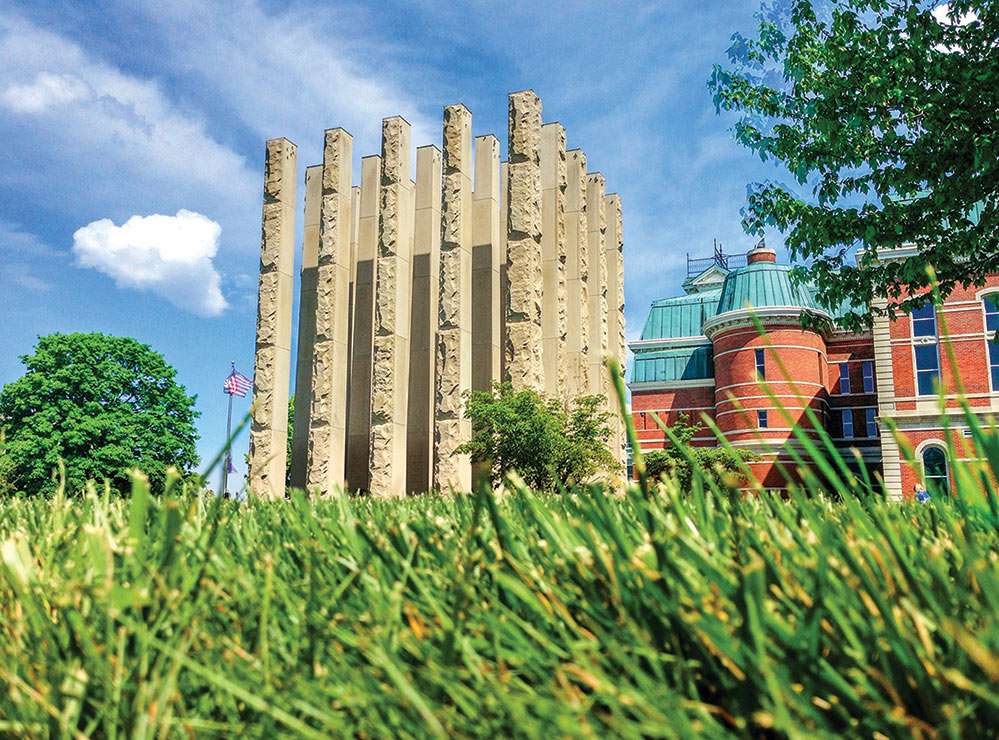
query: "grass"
652, 612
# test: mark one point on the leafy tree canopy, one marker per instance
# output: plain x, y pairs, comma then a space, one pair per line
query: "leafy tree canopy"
886, 113
717, 464
546, 444
103, 405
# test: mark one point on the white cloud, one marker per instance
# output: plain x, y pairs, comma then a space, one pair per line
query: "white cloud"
23, 255
168, 255
45, 91
942, 14
301, 70
98, 140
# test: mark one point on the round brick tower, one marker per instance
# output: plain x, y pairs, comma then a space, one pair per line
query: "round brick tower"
790, 359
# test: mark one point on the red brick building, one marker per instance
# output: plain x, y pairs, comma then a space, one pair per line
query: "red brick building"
701, 352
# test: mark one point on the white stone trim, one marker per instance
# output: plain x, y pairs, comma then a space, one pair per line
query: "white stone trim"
739, 399
819, 352
769, 382
672, 410
668, 385
764, 314
637, 345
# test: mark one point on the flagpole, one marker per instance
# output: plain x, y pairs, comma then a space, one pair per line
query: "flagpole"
228, 445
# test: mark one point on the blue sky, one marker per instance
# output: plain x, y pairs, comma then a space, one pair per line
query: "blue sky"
118, 111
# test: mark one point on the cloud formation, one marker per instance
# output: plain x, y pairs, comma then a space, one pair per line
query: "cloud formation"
167, 255
93, 123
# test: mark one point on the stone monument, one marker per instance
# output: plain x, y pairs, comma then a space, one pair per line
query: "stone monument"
414, 292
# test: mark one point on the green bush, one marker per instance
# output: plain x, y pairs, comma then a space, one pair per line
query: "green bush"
548, 445
721, 465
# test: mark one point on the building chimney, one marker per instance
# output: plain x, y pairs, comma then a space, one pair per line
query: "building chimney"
761, 253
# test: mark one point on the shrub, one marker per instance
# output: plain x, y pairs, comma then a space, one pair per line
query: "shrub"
548, 445
717, 464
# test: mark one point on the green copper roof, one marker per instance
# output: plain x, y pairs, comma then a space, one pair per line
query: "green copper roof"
762, 284
689, 363
682, 316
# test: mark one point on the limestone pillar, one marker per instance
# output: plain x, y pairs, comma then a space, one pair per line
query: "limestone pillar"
614, 259
272, 363
306, 326
355, 220
390, 350
423, 322
454, 316
596, 226
504, 282
553, 255
359, 414
328, 418
523, 341
577, 275
487, 258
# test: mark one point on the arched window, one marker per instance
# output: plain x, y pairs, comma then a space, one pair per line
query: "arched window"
935, 469
991, 305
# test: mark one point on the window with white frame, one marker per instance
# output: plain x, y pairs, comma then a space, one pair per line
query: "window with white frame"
868, 373
846, 416
844, 377
761, 419
761, 364
991, 305
871, 421
925, 349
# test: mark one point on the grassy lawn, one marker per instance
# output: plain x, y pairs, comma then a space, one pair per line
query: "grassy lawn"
657, 613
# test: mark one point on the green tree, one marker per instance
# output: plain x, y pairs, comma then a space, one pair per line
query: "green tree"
548, 445
885, 113
101, 404
715, 463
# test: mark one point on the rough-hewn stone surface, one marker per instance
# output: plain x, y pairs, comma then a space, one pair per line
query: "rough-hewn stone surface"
577, 274
306, 327
615, 311
390, 355
359, 415
523, 361
328, 417
596, 224
272, 365
554, 254
423, 322
454, 314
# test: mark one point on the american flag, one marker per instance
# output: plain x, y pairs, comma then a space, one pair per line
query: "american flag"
236, 384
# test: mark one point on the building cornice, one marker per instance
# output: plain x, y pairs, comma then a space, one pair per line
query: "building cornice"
637, 345
765, 315
669, 385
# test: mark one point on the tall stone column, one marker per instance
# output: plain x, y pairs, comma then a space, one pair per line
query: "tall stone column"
596, 226
487, 258
524, 335
504, 281
359, 414
553, 254
355, 221
328, 419
272, 363
423, 323
390, 351
577, 276
306, 326
614, 259
454, 316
